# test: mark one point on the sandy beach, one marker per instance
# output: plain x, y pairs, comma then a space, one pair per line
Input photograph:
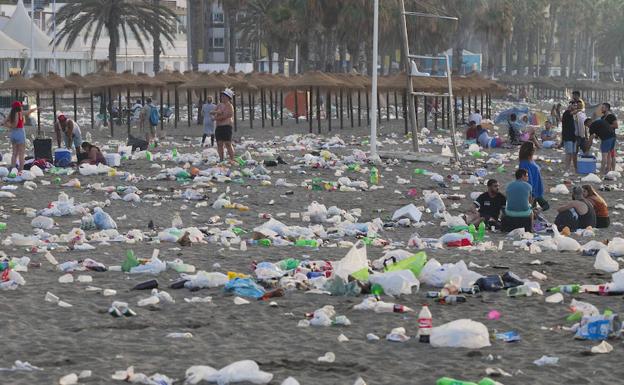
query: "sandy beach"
84, 337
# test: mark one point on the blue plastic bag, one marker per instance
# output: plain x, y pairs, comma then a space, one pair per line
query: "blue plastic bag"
244, 287
102, 220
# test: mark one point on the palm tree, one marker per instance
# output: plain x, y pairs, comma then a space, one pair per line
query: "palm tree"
495, 25
87, 19
230, 10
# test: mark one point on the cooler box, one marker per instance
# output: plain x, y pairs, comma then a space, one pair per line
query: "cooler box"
586, 164
113, 160
62, 157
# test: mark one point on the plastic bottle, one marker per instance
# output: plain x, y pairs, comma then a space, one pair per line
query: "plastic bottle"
148, 156
374, 175
567, 289
520, 291
425, 324
147, 285
306, 242
3, 226
452, 381
452, 299
174, 153
419, 171
481, 232
473, 231
266, 242
377, 289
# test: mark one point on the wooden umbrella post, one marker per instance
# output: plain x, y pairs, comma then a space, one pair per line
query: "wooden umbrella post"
271, 109
318, 108
359, 109
129, 112
296, 107
92, 115
328, 111
405, 112
350, 98
54, 104
309, 105
75, 106
176, 98
387, 106
38, 116
190, 106
367, 109
341, 111
251, 109
262, 106
281, 107
110, 112
162, 118
242, 106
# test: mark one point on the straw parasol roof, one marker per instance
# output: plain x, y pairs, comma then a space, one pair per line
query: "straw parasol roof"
61, 82
77, 79
147, 81
107, 79
20, 83
169, 78
205, 80
316, 79
346, 81
45, 83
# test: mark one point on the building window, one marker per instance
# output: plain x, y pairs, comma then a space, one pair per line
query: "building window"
217, 42
217, 17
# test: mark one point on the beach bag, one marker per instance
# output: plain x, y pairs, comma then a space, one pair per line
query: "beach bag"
154, 116
43, 148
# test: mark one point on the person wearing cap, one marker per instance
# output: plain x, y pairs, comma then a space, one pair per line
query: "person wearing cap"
224, 117
71, 133
15, 122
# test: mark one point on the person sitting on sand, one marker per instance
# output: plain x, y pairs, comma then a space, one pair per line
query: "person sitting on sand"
93, 154
600, 206
548, 136
525, 156
471, 131
488, 206
518, 211
577, 214
484, 139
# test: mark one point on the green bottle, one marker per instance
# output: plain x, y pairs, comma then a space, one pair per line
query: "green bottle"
419, 171
130, 261
317, 184
473, 231
367, 241
476, 154
377, 289
374, 175
174, 153
3, 226
481, 232
266, 242
148, 156
306, 242
567, 289
238, 230
241, 162
501, 169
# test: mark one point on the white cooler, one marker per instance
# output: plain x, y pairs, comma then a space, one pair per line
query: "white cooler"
113, 160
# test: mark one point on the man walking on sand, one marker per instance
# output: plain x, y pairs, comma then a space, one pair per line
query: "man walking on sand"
224, 117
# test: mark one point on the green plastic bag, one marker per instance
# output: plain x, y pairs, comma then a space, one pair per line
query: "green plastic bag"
415, 263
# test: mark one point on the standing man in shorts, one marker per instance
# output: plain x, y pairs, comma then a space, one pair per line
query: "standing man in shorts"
568, 139
605, 130
224, 117
71, 133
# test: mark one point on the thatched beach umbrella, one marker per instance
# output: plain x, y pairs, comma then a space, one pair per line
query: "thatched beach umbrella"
106, 82
310, 81
17, 84
205, 81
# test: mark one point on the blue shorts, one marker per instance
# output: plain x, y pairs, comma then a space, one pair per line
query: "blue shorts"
569, 147
607, 145
18, 136
76, 140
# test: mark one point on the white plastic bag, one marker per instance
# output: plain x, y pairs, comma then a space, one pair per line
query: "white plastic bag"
410, 211
396, 282
604, 262
434, 201
41, 222
591, 178
102, 220
616, 247
355, 260
462, 333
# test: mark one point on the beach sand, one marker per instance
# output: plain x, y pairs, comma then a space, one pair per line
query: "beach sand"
84, 336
